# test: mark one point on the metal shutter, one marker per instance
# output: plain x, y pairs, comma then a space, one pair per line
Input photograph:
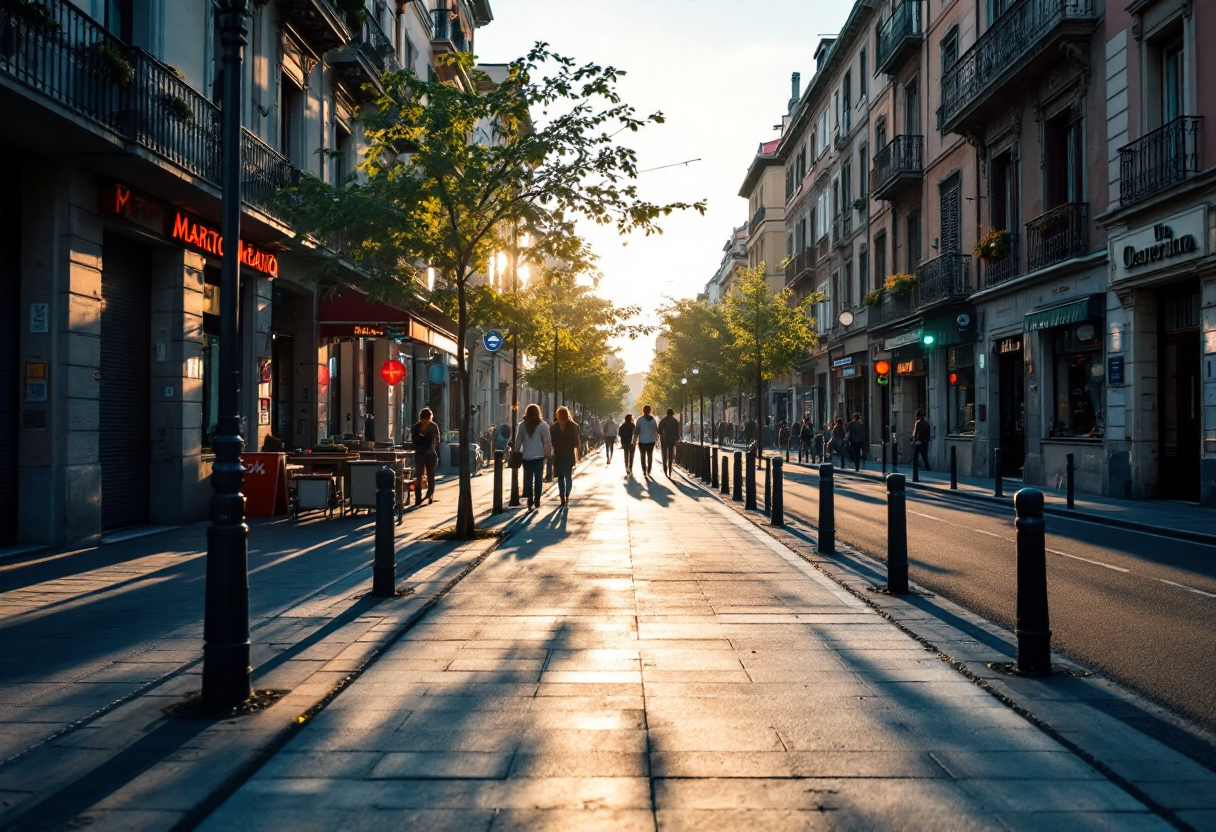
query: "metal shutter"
951, 221
123, 444
10, 342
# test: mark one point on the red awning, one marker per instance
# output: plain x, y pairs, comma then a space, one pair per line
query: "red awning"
351, 307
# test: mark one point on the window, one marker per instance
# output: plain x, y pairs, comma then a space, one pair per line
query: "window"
863, 79
912, 108
846, 296
1077, 379
951, 215
1003, 182
1062, 159
290, 118
863, 272
343, 163
950, 49
117, 16
880, 134
863, 165
880, 257
846, 186
960, 379
847, 103
1173, 75
913, 247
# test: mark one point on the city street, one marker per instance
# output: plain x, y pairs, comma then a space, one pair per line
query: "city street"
1140, 607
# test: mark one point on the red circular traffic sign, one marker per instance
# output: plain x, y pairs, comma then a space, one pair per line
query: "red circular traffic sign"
392, 371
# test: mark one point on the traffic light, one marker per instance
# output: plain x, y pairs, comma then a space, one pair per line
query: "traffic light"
927, 339
882, 372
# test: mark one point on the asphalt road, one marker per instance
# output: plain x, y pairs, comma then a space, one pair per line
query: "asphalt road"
1141, 608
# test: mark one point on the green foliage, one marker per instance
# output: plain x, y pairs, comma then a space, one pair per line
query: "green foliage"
480, 173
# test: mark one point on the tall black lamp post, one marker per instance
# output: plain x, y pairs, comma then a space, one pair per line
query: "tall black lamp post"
226, 671
696, 372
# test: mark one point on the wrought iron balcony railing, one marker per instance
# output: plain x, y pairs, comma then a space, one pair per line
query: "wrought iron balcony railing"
320, 22
801, 267
1060, 234
946, 277
999, 269
900, 162
892, 307
368, 58
1157, 160
58, 52
900, 36
757, 219
1011, 44
446, 31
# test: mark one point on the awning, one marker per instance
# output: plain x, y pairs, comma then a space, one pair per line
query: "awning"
1071, 312
351, 314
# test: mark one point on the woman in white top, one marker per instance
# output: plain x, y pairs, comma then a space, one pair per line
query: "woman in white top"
532, 439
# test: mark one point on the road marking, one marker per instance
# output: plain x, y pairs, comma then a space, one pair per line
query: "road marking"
1187, 588
991, 534
1087, 560
926, 516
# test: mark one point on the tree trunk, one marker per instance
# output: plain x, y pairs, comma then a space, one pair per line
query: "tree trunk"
759, 404
466, 523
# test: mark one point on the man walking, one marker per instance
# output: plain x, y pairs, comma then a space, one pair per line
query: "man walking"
857, 440
920, 438
806, 441
669, 436
609, 429
647, 435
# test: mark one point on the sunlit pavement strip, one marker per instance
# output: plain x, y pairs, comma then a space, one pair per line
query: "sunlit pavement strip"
650, 660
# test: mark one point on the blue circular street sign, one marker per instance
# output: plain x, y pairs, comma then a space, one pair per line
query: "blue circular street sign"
492, 340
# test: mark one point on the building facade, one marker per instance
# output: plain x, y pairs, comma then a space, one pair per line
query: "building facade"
109, 344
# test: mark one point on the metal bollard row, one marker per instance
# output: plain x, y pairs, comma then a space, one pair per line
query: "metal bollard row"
384, 568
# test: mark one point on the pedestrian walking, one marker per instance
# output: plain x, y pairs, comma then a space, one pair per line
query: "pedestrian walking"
647, 437
425, 435
565, 436
806, 441
783, 436
838, 439
535, 444
920, 438
857, 440
627, 433
795, 438
669, 437
609, 429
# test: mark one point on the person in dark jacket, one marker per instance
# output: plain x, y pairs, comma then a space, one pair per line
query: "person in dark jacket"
839, 435
920, 438
564, 433
627, 435
669, 437
425, 434
857, 440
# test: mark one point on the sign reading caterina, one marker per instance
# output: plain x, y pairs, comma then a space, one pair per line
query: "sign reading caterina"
1177, 239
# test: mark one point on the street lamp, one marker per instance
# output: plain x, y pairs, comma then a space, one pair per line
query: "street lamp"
226, 671
696, 371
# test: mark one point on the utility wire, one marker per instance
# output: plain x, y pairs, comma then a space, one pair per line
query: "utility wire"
672, 165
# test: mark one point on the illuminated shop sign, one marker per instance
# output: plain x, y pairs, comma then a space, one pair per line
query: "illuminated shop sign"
118, 200
1173, 240
198, 235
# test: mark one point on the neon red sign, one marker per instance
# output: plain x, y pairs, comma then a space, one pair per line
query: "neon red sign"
190, 231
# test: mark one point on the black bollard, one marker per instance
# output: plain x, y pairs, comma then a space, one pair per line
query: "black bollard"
768, 484
1069, 473
777, 516
713, 468
827, 510
725, 474
384, 570
737, 494
953, 468
514, 501
915, 465
897, 535
1032, 627
997, 472
750, 503
884, 457
497, 482
706, 465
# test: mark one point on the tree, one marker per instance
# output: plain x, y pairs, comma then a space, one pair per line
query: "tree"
769, 332
448, 169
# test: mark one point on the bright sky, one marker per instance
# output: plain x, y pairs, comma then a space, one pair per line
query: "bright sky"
719, 70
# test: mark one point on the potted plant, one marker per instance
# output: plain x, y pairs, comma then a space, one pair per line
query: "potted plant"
860, 204
34, 15
111, 62
177, 108
900, 284
994, 246
874, 298
1052, 219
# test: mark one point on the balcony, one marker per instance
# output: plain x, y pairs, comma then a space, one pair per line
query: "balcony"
900, 37
801, 267
367, 59
757, 220
897, 166
68, 59
446, 34
997, 270
942, 279
1060, 234
1160, 159
319, 22
891, 308
1021, 44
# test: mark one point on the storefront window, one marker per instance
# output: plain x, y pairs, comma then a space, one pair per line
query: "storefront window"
961, 384
1077, 380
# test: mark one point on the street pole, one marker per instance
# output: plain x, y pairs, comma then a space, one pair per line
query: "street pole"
226, 671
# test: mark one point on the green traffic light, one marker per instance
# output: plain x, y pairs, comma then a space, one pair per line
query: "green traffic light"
927, 339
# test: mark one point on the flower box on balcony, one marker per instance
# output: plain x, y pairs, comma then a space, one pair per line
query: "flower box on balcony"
900, 284
994, 246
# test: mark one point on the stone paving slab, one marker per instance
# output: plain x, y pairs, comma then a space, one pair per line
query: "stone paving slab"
646, 659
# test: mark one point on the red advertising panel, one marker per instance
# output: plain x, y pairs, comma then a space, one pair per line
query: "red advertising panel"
265, 486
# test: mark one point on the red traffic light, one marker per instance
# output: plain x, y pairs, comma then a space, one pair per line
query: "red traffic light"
953, 378
882, 367
392, 371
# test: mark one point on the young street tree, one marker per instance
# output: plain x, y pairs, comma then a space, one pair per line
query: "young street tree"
769, 332
697, 338
448, 168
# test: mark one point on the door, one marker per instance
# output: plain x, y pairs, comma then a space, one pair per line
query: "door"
1012, 417
125, 379
1181, 410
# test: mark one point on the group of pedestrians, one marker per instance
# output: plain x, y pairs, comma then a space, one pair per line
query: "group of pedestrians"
641, 435
535, 442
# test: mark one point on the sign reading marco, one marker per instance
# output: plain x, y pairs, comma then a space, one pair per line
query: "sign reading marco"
1175, 239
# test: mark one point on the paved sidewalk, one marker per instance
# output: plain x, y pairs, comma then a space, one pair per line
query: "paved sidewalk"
648, 659
1172, 518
